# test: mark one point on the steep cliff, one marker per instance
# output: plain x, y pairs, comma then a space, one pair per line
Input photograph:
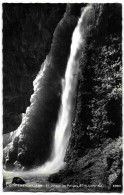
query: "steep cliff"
27, 35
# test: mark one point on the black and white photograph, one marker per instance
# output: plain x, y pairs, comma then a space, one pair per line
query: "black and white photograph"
62, 97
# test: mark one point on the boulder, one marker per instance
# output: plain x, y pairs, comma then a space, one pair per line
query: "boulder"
55, 178
18, 180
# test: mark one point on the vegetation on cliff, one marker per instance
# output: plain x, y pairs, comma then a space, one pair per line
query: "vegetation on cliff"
97, 118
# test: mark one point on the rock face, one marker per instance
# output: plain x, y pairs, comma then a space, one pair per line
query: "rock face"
27, 36
100, 170
94, 154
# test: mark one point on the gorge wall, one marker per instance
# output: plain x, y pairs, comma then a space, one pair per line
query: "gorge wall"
27, 35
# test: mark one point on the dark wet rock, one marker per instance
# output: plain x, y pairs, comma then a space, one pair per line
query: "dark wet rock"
55, 178
4, 183
61, 175
18, 180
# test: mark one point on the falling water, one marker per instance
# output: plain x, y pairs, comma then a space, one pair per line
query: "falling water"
63, 126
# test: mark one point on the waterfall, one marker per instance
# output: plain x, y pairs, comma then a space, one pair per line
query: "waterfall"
63, 125
69, 83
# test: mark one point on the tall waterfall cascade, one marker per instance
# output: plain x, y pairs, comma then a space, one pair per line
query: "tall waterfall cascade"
63, 125
69, 82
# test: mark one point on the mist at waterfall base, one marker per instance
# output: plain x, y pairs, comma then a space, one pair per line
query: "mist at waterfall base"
69, 83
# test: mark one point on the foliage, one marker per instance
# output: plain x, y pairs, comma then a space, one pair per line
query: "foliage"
107, 68
98, 114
